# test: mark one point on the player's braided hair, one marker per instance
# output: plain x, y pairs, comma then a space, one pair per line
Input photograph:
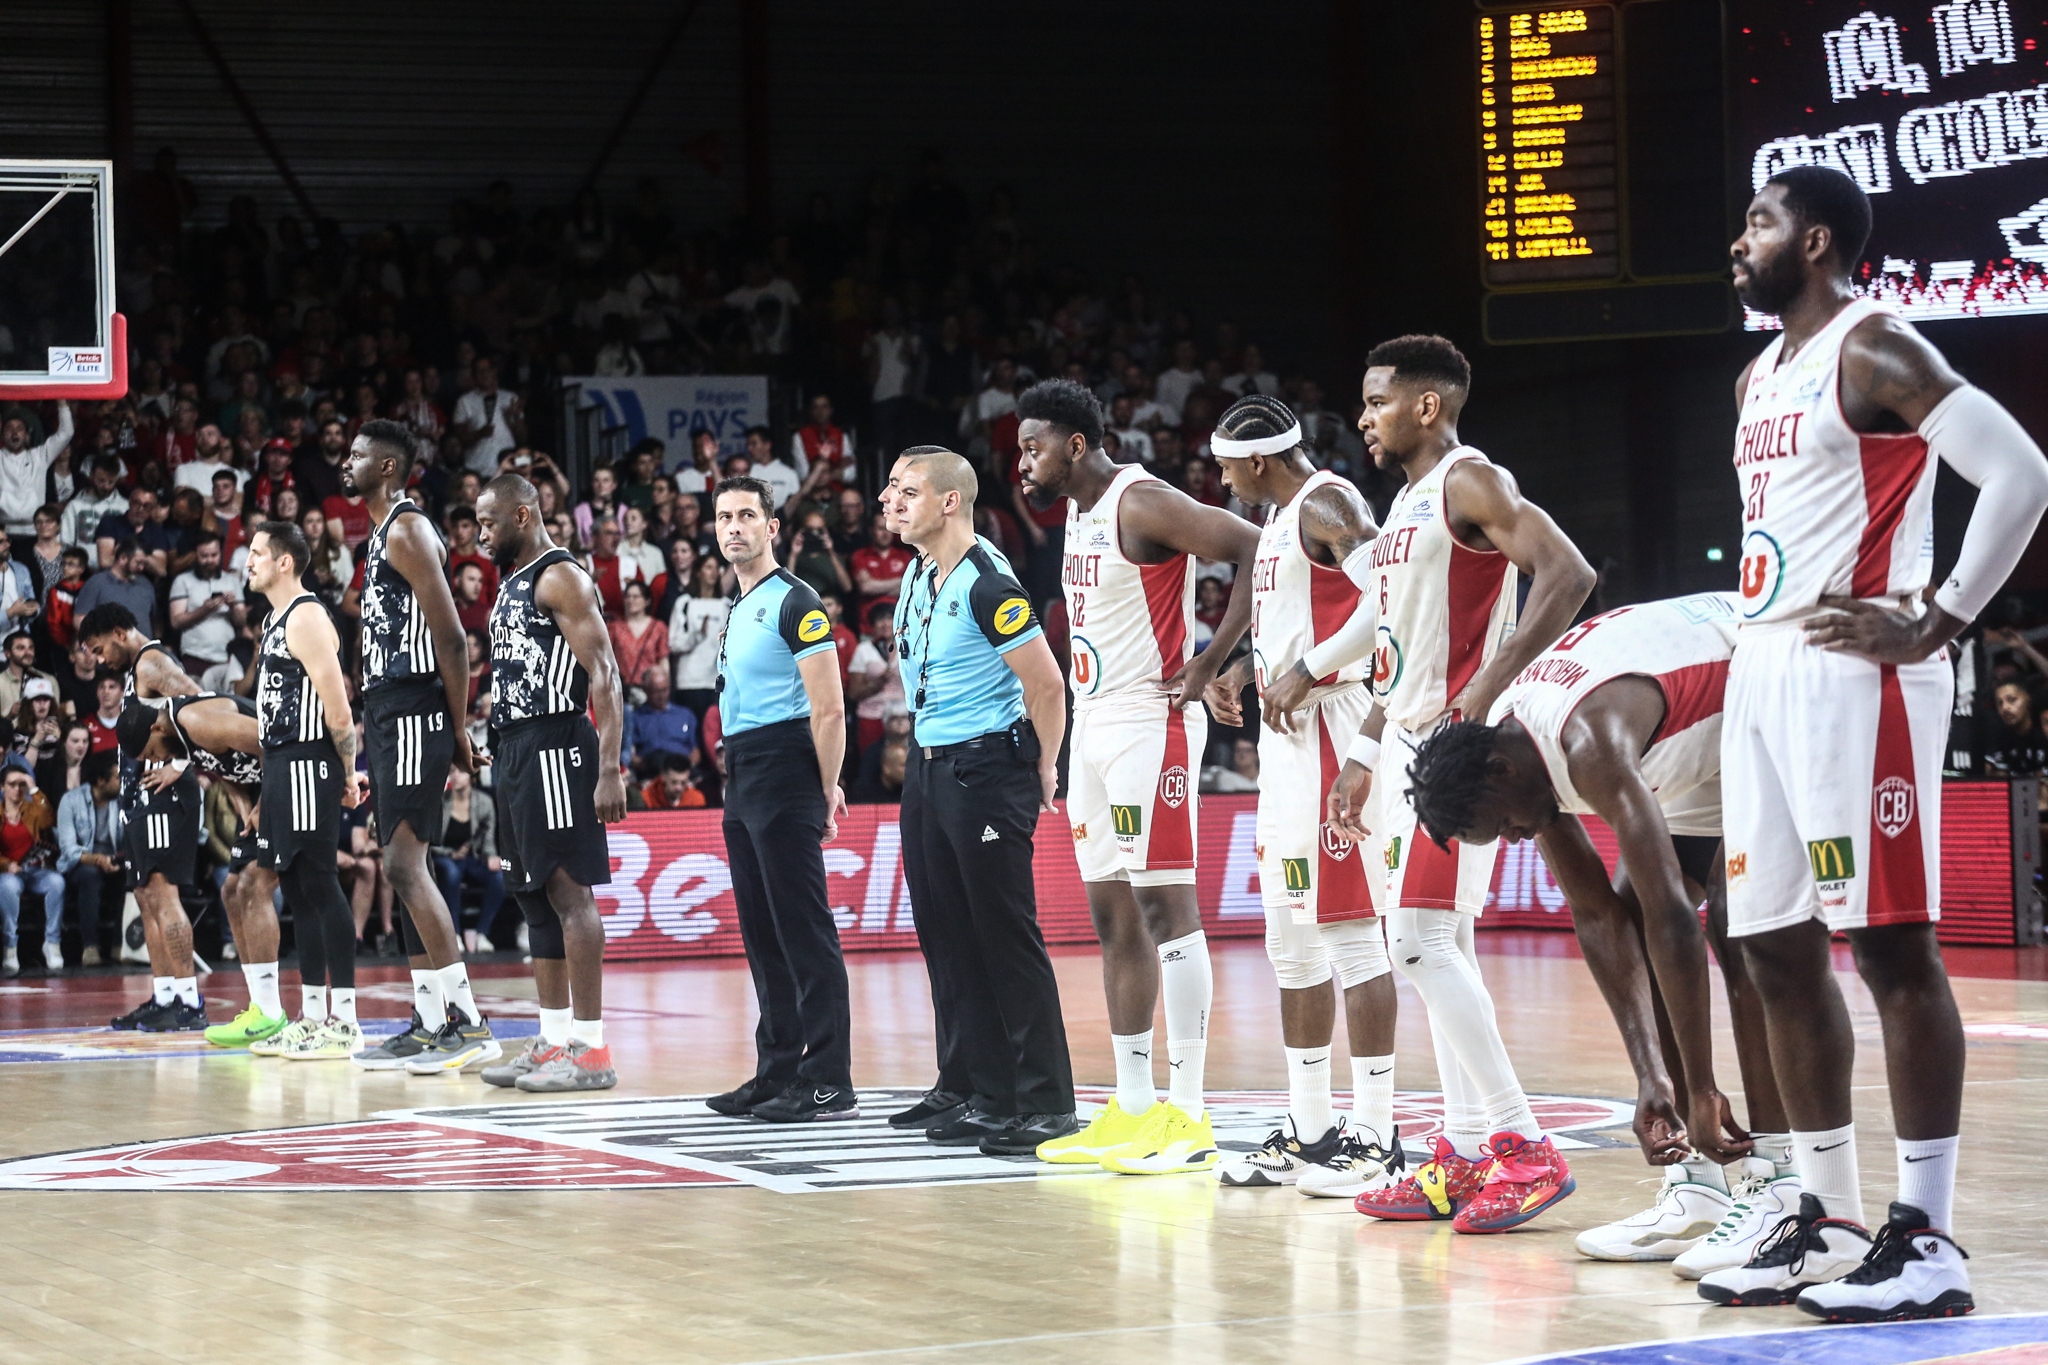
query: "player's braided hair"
1256, 415
1448, 777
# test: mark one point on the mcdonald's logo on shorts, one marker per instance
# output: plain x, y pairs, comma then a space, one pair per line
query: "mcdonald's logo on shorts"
1127, 822
1294, 871
1394, 853
1834, 860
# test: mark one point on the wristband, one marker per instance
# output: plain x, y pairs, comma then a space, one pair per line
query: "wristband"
1364, 751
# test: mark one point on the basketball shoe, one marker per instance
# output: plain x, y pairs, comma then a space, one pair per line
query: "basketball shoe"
1685, 1213
1168, 1142
461, 1042
1108, 1130
394, 1052
1805, 1249
1282, 1159
1761, 1203
331, 1042
539, 1052
740, 1101
291, 1035
578, 1066
1912, 1271
149, 1011
1357, 1167
248, 1028
176, 1017
1527, 1176
1440, 1187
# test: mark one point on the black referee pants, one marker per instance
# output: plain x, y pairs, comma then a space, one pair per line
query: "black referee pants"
967, 821
774, 817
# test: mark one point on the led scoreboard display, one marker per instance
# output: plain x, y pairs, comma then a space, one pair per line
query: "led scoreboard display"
1940, 112
1548, 176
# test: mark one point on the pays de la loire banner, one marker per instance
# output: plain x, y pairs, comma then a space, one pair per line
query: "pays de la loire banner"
670, 407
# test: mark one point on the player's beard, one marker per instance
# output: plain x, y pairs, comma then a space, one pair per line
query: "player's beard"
1040, 499
502, 556
1774, 285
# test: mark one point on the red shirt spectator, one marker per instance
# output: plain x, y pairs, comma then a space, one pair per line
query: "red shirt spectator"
470, 608
462, 549
352, 515
878, 567
103, 721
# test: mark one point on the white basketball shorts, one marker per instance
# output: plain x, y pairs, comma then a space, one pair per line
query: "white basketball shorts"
1131, 790
1306, 875
1419, 874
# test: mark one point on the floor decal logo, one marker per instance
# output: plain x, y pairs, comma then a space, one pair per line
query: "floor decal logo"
2007, 1339
659, 1143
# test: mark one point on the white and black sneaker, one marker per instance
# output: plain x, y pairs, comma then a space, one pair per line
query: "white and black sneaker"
1762, 1201
1281, 1160
1912, 1271
1686, 1213
807, 1102
1356, 1167
1809, 1248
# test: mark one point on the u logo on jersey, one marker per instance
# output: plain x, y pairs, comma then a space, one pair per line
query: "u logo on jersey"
1086, 666
1386, 662
1763, 570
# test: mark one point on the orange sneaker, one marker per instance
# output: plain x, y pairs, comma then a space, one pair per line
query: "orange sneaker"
1525, 1178
1438, 1189
579, 1066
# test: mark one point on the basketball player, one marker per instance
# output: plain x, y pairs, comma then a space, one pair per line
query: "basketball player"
1838, 705
1622, 719
1317, 890
415, 689
1129, 574
217, 734
309, 762
162, 824
1445, 566
558, 782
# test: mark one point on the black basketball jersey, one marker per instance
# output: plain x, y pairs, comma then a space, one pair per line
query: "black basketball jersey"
235, 765
288, 710
533, 670
397, 646
131, 769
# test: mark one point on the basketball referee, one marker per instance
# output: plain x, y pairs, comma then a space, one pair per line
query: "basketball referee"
785, 735
990, 709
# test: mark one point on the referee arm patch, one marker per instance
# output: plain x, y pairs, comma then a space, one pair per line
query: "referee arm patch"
805, 627
1003, 612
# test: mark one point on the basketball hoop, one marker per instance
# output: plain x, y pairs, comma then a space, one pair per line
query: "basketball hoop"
84, 390
57, 249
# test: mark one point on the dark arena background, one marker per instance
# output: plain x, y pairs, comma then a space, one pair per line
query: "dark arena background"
628, 248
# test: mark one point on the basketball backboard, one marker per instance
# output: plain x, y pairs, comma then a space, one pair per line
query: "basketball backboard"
59, 334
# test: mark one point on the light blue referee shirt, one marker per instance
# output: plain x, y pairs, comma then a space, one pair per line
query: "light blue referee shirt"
950, 647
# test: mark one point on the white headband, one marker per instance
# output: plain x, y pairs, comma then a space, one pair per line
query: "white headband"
1224, 448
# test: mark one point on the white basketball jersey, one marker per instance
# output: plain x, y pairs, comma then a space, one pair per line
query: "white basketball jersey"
1827, 510
1445, 608
1296, 602
1130, 624
1683, 645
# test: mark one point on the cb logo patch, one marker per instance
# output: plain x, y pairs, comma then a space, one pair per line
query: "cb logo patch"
1173, 786
1892, 806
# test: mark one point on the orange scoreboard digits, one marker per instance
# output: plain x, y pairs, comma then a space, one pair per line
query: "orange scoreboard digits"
1547, 154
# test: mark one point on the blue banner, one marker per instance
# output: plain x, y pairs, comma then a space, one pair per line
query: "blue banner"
670, 407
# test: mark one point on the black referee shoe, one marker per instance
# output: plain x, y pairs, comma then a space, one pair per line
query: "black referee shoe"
934, 1108
970, 1129
738, 1102
806, 1102
1026, 1131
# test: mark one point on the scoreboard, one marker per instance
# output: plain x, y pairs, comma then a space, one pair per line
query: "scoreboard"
1549, 178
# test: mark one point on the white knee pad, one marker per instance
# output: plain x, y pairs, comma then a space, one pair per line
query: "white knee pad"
1424, 943
1357, 950
1299, 959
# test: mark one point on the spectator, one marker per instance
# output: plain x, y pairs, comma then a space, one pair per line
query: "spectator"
895, 727
331, 568
137, 526
643, 462
273, 473
674, 789
892, 355
470, 608
89, 509
46, 553
1242, 774
601, 505
874, 683
695, 628
639, 641
58, 774
184, 525
606, 569
213, 455
88, 844
203, 600
813, 558
674, 585
18, 602
102, 721
78, 686
821, 452
24, 470
26, 852
21, 672
634, 546
658, 726
770, 467
661, 520
348, 515
1252, 376
2019, 747
849, 522
1137, 442
317, 476
462, 549
468, 855
478, 642
691, 526
488, 421
224, 515
1212, 598
696, 478
878, 569
38, 724
885, 785
1171, 389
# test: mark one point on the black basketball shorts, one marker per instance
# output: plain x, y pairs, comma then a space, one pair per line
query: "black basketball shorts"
410, 739
301, 808
544, 779
163, 833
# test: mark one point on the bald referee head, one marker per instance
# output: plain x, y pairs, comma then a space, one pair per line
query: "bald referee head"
934, 489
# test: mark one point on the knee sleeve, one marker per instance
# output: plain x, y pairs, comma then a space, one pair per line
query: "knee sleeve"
543, 926
413, 946
1357, 950
1423, 943
1296, 951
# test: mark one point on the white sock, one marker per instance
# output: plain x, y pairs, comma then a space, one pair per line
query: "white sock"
1927, 1178
1507, 1111
1308, 1092
1186, 986
1827, 1171
1135, 1092
187, 989
455, 990
554, 1026
1701, 1171
261, 978
589, 1032
1430, 948
1372, 1099
1775, 1148
313, 1004
1464, 1128
166, 988
342, 1004
427, 998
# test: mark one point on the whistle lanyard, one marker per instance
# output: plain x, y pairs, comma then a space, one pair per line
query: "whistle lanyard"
929, 579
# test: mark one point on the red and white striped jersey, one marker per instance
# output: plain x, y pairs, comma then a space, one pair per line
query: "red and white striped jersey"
1683, 645
1445, 608
1826, 510
1131, 623
1296, 602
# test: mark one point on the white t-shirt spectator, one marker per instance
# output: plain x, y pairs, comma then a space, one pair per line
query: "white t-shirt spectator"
198, 475
82, 518
695, 628
867, 660
209, 637
773, 340
1171, 391
993, 403
1265, 381
893, 357
1137, 443
781, 479
476, 409
691, 480
653, 563
23, 473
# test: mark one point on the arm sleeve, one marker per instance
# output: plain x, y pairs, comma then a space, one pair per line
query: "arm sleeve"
1980, 440
1354, 639
1003, 612
805, 627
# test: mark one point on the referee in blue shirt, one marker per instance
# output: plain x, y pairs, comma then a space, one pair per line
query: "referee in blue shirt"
785, 734
990, 709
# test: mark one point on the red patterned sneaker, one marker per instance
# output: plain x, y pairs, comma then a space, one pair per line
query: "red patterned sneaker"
1525, 1179
1439, 1187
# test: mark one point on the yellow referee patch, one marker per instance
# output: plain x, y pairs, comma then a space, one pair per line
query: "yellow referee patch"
1012, 616
813, 628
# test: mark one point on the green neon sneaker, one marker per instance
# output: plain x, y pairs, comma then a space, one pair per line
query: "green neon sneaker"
252, 1025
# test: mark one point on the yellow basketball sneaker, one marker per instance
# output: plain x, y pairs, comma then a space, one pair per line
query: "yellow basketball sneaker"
291, 1035
248, 1028
1108, 1130
1167, 1143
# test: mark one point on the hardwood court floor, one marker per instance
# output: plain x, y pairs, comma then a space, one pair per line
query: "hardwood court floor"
1108, 1269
